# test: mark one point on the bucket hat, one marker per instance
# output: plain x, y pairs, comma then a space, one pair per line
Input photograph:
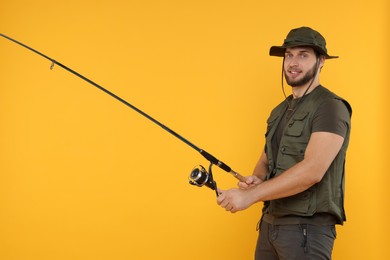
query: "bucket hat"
303, 36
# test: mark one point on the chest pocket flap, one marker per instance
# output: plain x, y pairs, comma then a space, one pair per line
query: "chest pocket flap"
296, 125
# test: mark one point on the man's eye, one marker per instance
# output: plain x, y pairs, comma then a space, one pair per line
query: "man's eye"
303, 56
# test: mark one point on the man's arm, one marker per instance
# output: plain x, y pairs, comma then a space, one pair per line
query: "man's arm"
320, 152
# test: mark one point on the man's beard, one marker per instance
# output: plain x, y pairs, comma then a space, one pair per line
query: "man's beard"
304, 80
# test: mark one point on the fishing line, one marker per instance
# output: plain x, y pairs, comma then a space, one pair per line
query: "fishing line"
198, 176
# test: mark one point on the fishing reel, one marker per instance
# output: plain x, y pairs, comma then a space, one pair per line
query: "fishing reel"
200, 177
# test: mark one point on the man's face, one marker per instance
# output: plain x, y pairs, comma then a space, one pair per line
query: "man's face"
299, 66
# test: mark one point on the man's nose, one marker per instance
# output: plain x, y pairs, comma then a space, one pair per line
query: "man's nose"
293, 61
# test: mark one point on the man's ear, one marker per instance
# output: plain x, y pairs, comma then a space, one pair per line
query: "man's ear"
321, 60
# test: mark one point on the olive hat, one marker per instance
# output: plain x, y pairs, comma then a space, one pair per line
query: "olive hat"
303, 36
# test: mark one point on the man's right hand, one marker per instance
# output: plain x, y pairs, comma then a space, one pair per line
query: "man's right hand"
250, 181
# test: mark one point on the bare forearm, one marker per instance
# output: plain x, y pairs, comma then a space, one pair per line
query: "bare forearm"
291, 182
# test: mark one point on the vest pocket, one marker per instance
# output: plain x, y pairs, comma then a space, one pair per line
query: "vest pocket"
289, 156
301, 204
296, 124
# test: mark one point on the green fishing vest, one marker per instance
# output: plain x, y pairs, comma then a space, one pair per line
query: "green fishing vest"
327, 196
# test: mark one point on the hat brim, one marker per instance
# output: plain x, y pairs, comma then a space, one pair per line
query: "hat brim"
280, 50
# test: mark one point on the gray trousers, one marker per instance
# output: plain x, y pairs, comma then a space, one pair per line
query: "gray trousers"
288, 242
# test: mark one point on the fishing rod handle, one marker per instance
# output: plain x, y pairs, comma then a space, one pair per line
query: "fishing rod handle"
238, 176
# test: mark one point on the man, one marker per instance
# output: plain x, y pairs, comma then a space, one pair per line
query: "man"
300, 173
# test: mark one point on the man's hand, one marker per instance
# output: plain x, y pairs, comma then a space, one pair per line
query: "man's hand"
233, 200
250, 181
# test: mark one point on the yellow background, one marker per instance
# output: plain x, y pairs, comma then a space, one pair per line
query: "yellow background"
84, 177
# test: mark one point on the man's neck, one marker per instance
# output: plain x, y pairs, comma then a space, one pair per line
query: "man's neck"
299, 91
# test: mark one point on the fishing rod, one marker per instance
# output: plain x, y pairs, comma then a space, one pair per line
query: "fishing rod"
199, 176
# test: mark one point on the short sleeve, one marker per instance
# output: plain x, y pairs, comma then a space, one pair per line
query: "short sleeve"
332, 116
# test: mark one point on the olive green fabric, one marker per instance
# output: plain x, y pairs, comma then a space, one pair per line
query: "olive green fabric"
326, 196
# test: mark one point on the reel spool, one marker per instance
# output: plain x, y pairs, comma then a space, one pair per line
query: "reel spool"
200, 177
